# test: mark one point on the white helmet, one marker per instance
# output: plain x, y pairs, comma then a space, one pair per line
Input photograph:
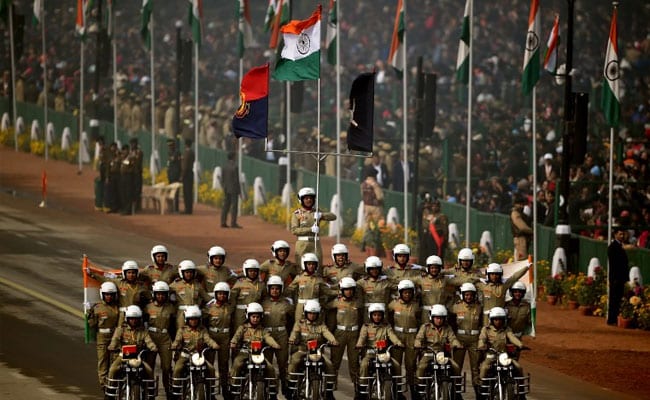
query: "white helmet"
254, 308
347, 283
373, 262
133, 312
160, 286
312, 306
494, 268
186, 265
467, 287
308, 257
216, 251
306, 191
467, 255
251, 263
279, 244
192, 312
374, 307
339, 248
497, 312
401, 249
222, 287
275, 280
518, 286
107, 287
438, 310
434, 260
129, 265
159, 248
405, 284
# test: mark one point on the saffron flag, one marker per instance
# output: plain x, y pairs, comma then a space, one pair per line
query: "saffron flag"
550, 59
195, 17
37, 12
245, 37
91, 289
396, 54
462, 61
281, 18
145, 28
611, 101
330, 37
300, 58
362, 109
531, 55
80, 25
251, 118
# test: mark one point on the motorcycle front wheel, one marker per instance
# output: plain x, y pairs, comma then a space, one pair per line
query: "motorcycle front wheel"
199, 392
314, 390
387, 390
134, 393
444, 391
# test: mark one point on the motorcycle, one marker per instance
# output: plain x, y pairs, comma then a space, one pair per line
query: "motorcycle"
439, 382
254, 385
382, 384
133, 383
502, 382
313, 382
196, 384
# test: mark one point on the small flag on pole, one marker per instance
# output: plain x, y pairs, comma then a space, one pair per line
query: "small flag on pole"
145, 28
281, 18
611, 102
300, 58
531, 55
330, 38
80, 25
270, 15
362, 109
251, 118
37, 12
395, 57
195, 17
245, 37
462, 61
550, 59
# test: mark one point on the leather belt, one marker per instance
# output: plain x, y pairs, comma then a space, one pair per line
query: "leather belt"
468, 332
303, 301
219, 330
157, 330
275, 329
347, 328
306, 238
105, 330
405, 330
241, 306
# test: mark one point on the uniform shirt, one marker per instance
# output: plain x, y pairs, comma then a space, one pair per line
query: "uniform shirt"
209, 275
497, 339
104, 316
286, 271
518, 316
371, 332
374, 290
152, 274
434, 290
193, 339
469, 317
302, 220
436, 338
306, 287
188, 293
125, 335
494, 294
278, 313
160, 316
247, 291
404, 315
246, 333
305, 330
349, 312
333, 273
218, 316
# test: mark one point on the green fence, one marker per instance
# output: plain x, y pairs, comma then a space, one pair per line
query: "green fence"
273, 175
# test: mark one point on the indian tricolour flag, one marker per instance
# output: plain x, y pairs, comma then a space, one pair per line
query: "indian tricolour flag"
195, 15
462, 61
300, 57
91, 289
550, 59
396, 56
37, 13
611, 101
245, 37
330, 37
270, 15
531, 55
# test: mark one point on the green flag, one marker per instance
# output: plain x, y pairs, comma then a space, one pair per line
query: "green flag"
462, 62
145, 28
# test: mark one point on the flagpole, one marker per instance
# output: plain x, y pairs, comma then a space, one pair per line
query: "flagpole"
534, 191
338, 127
13, 72
316, 238
45, 88
468, 194
240, 151
288, 116
81, 98
153, 91
610, 184
114, 45
405, 127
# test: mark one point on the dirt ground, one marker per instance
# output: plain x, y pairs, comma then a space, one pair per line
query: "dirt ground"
579, 346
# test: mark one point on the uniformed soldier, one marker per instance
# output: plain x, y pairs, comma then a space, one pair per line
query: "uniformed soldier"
401, 269
518, 310
101, 166
251, 330
136, 121
280, 264
218, 319
278, 320
308, 285
348, 317
341, 267
376, 329
170, 119
496, 336
136, 155
304, 224
434, 287
468, 320
112, 194
433, 336
173, 162
191, 337
464, 271
247, 289
187, 290
404, 316
127, 178
495, 289
215, 270
160, 270
103, 318
160, 316
308, 328
375, 286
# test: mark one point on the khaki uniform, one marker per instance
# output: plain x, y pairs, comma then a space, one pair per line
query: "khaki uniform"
469, 319
494, 294
287, 271
405, 318
189, 339
125, 335
433, 291
522, 233
518, 317
209, 275
129, 293
218, 319
369, 334
152, 274
187, 294
243, 293
244, 335
373, 291
136, 119
103, 318
302, 221
333, 273
278, 320
497, 339
307, 287
348, 322
170, 122
303, 331
436, 339
161, 323
395, 274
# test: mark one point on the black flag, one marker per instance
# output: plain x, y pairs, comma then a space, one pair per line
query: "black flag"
362, 109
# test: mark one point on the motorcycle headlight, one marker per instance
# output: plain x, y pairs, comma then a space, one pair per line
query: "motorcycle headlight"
257, 358
197, 359
504, 359
383, 357
441, 359
135, 362
315, 356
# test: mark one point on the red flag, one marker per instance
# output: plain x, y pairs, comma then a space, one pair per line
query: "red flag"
44, 185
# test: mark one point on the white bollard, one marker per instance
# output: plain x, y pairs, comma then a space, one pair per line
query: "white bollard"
50, 136
154, 167
35, 131
486, 242
593, 264
559, 262
454, 236
259, 193
335, 226
196, 168
635, 277
6, 122
20, 125
286, 194
216, 179
243, 185
392, 218
66, 138
84, 148
360, 216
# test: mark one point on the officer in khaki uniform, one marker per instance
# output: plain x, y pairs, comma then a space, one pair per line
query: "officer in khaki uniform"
435, 335
495, 289
215, 270
404, 316
160, 270
308, 285
131, 333
341, 267
192, 336
518, 310
218, 320
348, 311
304, 224
402, 269
374, 287
496, 335
280, 265
103, 317
248, 289
435, 288
278, 320
127, 179
468, 320
187, 290
160, 316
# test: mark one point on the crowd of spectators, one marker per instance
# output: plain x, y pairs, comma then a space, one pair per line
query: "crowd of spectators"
501, 120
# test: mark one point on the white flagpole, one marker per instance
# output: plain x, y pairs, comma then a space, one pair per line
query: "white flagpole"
316, 235
45, 88
81, 98
468, 193
153, 91
338, 126
240, 150
13, 72
534, 192
114, 45
611, 183
405, 128
288, 107
196, 122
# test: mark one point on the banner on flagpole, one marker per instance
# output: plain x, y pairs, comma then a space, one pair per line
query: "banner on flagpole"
91, 290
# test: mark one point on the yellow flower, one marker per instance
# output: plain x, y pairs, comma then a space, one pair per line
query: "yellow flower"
635, 300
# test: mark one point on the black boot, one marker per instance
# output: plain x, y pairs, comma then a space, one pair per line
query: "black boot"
329, 396
477, 392
415, 395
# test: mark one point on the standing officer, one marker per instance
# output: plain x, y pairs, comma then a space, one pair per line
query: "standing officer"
522, 233
518, 310
304, 224
375, 286
215, 270
103, 317
173, 166
160, 316
101, 166
160, 270
248, 289
187, 291
434, 233
308, 285
187, 174
112, 194
231, 192
280, 265
127, 174
494, 290
468, 319
372, 196
137, 156
218, 319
